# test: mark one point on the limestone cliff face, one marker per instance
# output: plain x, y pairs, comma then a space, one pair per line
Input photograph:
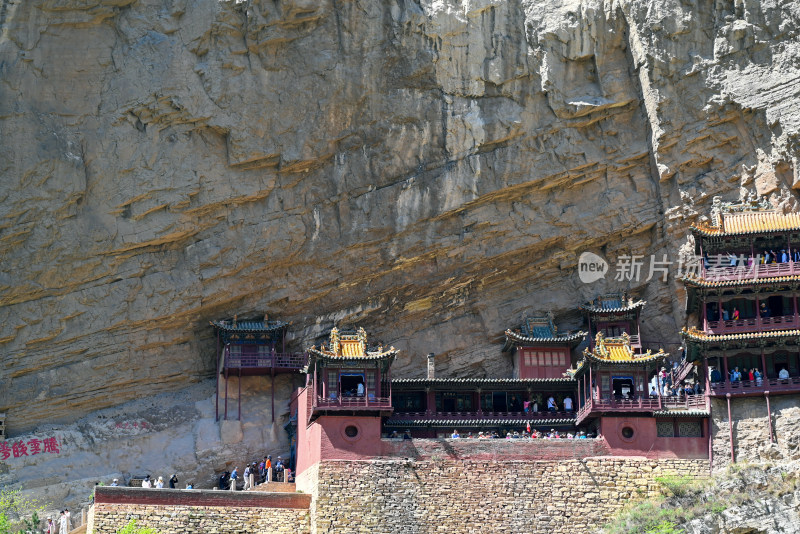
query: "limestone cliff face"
427, 169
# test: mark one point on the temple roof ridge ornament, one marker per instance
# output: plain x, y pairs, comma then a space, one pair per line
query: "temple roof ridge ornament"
350, 344
618, 350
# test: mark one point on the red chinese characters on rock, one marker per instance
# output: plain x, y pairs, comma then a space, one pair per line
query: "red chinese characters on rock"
31, 447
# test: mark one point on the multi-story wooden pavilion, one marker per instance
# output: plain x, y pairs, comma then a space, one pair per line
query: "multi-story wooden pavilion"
251, 347
745, 295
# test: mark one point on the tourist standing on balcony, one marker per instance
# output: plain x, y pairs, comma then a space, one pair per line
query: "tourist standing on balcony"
455, 434
234, 476
567, 403
736, 376
735, 313
653, 392
146, 482
757, 375
246, 478
551, 404
763, 310
716, 376
160, 483
526, 406
783, 374
751, 376
172, 481
784, 256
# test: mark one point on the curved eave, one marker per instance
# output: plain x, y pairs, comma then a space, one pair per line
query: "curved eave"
701, 337
367, 357
702, 283
635, 361
466, 423
248, 327
714, 231
519, 340
622, 309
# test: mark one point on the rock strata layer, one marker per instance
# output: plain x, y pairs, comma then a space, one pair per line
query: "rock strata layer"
429, 170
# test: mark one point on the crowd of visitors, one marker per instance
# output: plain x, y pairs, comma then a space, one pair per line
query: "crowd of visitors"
525, 434
255, 474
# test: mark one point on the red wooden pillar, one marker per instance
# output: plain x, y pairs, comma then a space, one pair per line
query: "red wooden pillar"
272, 372
216, 392
240, 391
430, 401
769, 417
730, 427
763, 364
226, 393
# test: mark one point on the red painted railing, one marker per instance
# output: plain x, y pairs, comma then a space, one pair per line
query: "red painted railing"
266, 360
749, 387
471, 416
754, 324
349, 403
758, 270
641, 404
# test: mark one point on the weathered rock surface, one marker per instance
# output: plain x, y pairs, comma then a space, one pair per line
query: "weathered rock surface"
157, 435
429, 170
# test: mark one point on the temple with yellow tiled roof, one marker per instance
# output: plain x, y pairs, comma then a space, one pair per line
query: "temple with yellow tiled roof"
620, 395
742, 294
345, 375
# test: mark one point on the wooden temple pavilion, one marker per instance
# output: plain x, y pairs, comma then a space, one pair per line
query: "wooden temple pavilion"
538, 350
251, 347
613, 397
612, 315
345, 377
745, 295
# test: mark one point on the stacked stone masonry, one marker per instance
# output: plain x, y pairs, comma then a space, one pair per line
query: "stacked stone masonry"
552, 497
109, 518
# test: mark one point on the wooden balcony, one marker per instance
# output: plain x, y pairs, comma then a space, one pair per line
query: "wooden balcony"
264, 362
748, 388
768, 270
640, 405
754, 324
352, 403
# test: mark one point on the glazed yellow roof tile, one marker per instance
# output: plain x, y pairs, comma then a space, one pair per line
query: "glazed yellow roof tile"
751, 223
618, 350
696, 334
352, 349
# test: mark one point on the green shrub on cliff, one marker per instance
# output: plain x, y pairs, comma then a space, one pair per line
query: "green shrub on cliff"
14, 508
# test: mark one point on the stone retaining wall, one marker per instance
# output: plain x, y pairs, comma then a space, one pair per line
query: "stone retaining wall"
552, 497
195, 511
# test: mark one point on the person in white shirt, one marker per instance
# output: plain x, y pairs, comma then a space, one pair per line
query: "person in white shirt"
783, 374
568, 404
62, 524
160, 483
551, 404
146, 482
